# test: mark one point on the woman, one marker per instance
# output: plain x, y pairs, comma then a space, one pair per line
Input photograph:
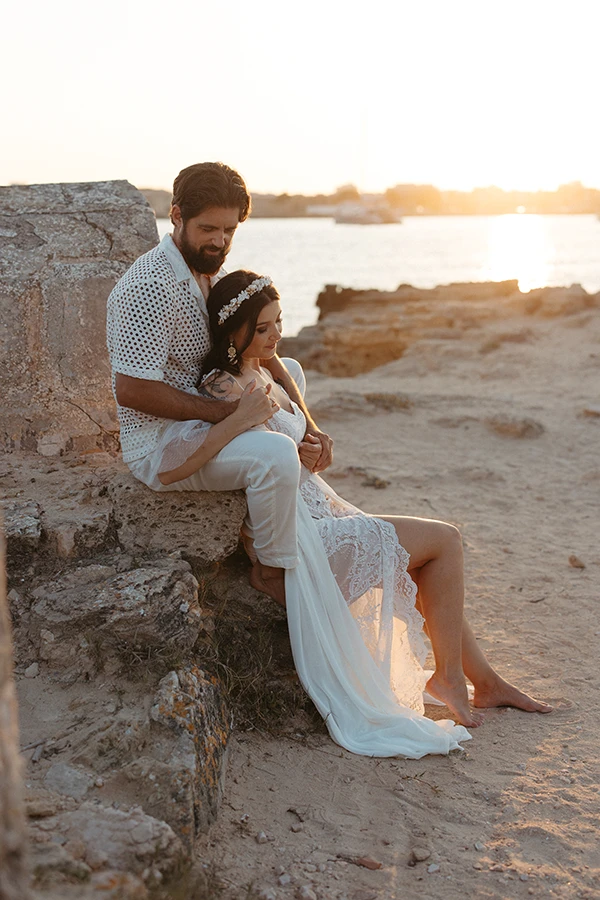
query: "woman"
356, 611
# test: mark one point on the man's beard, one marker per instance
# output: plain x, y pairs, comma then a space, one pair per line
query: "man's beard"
202, 261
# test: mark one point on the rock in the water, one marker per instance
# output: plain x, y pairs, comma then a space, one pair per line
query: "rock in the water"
62, 249
361, 330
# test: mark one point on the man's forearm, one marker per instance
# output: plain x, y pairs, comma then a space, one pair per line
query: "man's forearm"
159, 399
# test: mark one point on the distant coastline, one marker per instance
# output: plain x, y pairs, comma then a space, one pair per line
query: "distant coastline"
413, 200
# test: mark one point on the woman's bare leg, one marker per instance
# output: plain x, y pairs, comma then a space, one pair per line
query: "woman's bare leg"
435, 549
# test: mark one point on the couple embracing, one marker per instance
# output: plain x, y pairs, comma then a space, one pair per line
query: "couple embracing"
206, 404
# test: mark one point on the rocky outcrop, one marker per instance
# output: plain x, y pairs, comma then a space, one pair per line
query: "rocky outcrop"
62, 248
13, 872
137, 633
358, 331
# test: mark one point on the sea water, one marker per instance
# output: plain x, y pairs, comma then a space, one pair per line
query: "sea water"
303, 255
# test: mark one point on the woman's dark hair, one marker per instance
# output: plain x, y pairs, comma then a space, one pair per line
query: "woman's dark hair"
209, 184
246, 316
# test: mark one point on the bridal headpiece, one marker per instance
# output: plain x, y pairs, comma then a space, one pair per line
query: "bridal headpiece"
253, 288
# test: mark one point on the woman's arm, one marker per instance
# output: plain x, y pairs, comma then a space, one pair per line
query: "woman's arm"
255, 407
282, 376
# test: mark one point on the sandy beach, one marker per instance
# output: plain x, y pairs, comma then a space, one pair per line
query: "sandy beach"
502, 442
496, 430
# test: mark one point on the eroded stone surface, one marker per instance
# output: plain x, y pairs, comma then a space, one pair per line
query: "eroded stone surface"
361, 330
62, 249
93, 610
204, 526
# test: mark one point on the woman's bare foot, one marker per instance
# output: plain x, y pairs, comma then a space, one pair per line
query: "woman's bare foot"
269, 580
501, 693
454, 695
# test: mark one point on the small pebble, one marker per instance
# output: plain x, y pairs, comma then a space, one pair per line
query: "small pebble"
367, 862
420, 854
306, 893
298, 827
32, 671
524, 877
309, 867
244, 819
284, 879
267, 893
433, 868
261, 838
479, 846
279, 870
477, 866
99, 782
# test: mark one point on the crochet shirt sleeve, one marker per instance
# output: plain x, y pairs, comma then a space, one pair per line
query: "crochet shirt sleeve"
143, 322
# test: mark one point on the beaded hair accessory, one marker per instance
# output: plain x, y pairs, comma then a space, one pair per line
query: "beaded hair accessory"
253, 288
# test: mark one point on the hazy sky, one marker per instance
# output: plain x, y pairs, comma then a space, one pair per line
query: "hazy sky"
303, 97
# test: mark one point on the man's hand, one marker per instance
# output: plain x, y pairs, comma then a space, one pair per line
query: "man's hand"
309, 451
326, 456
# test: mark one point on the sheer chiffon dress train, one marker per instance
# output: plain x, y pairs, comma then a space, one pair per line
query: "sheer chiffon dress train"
356, 635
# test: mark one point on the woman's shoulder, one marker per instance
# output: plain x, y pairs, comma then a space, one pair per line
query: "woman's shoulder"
219, 385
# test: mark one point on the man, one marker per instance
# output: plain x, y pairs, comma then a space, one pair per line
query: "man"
157, 334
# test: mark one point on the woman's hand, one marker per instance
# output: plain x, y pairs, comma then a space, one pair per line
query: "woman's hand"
309, 451
256, 406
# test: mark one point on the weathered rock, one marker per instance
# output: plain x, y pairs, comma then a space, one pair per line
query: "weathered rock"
112, 885
51, 859
205, 526
126, 841
339, 405
62, 248
73, 530
190, 707
23, 529
551, 302
14, 882
360, 330
149, 608
510, 426
68, 780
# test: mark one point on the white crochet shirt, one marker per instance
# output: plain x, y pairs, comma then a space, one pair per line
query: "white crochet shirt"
156, 329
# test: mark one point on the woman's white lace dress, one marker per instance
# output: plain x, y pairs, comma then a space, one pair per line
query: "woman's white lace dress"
356, 635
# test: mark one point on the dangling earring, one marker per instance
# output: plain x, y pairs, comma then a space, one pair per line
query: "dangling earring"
231, 352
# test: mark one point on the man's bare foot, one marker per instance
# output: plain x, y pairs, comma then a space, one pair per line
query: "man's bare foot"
504, 694
454, 695
268, 580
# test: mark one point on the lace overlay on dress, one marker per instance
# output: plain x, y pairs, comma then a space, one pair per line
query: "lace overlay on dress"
370, 568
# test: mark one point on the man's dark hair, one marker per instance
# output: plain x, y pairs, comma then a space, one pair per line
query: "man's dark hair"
208, 184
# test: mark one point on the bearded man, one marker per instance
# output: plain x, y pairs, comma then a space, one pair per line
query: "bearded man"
158, 336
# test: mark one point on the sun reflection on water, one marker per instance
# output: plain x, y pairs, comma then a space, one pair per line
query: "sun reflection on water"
518, 247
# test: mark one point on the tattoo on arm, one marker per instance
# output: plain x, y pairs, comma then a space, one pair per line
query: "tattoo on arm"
218, 387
